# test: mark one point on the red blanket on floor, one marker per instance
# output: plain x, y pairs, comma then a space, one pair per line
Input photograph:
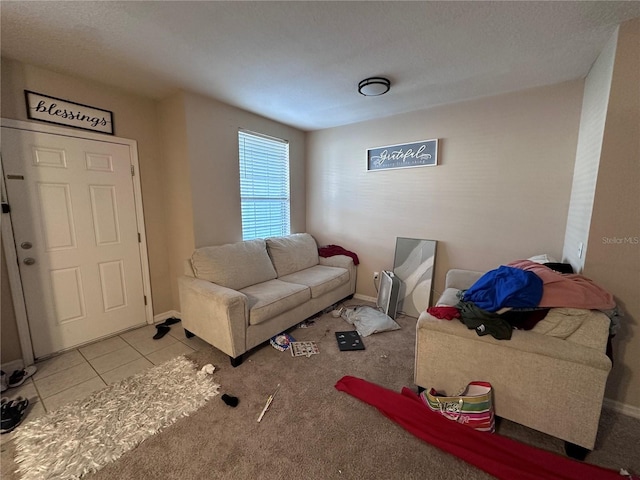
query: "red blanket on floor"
495, 454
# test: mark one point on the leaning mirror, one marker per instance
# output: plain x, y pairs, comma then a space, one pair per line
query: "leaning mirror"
413, 264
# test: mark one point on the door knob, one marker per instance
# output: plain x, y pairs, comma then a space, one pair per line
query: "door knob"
29, 261
26, 245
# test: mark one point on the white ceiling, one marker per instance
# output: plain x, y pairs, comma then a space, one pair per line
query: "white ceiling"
300, 62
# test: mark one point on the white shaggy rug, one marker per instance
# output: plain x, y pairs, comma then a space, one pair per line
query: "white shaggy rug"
85, 435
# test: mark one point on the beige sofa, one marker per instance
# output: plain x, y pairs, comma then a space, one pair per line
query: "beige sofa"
237, 296
551, 378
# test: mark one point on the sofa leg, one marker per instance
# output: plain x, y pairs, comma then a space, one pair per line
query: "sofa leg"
236, 361
575, 451
188, 334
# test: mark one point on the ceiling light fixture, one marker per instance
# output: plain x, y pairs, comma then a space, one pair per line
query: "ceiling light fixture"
374, 86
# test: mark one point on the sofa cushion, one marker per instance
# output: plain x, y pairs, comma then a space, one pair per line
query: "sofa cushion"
589, 328
449, 298
235, 265
319, 278
292, 253
267, 299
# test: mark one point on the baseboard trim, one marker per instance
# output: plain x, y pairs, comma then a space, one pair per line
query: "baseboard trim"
365, 298
161, 317
628, 410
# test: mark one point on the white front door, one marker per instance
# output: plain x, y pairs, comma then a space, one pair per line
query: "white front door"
75, 228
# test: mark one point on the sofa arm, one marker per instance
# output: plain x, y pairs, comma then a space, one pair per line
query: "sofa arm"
461, 279
216, 314
343, 261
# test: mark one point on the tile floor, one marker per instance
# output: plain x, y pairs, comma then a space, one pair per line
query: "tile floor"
77, 373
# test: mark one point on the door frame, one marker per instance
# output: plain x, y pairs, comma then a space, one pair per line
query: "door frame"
8, 239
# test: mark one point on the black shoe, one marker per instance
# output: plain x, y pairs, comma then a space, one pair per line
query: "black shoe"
13, 412
18, 377
162, 331
170, 321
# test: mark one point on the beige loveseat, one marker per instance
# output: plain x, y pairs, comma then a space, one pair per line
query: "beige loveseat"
550, 378
237, 296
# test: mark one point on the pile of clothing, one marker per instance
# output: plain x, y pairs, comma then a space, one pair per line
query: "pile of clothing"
519, 295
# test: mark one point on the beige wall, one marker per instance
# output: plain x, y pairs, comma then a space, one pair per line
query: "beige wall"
613, 256
585, 173
200, 141
135, 118
212, 131
176, 183
500, 192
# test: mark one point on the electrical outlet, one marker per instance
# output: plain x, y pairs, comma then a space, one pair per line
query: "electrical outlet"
376, 275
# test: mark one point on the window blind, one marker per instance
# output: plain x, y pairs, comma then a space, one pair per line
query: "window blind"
264, 185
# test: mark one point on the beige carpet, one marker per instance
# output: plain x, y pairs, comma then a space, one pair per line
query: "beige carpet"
312, 431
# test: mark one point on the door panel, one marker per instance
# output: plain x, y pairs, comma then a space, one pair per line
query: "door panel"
76, 206
58, 229
68, 294
112, 282
104, 207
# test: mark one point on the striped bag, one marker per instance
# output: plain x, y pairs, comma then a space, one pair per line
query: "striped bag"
473, 406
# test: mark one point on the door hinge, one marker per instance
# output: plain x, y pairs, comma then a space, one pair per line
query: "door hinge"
133, 172
6, 208
139, 238
145, 299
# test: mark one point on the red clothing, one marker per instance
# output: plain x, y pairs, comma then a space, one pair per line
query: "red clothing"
499, 456
331, 250
444, 313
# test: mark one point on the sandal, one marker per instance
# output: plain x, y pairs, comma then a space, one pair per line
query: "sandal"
162, 331
13, 411
18, 377
170, 321
20, 404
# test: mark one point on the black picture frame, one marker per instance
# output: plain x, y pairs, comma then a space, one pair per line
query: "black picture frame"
423, 153
59, 111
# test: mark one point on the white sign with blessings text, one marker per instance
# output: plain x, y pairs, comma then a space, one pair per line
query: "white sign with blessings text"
63, 112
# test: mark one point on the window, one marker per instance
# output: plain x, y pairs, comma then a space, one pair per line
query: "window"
264, 185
